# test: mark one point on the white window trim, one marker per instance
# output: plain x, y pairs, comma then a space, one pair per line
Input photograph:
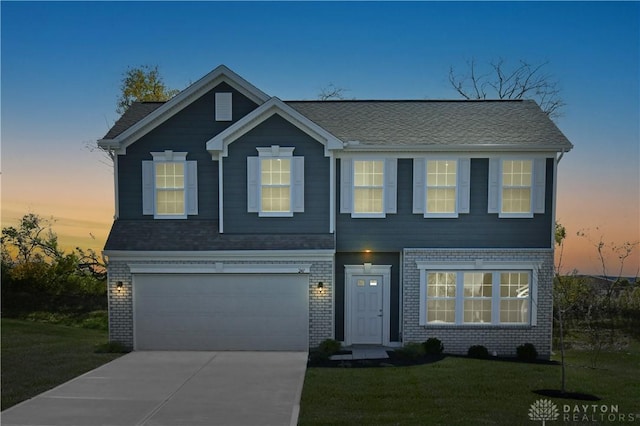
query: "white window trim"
463, 186
254, 184
479, 266
389, 188
538, 186
149, 190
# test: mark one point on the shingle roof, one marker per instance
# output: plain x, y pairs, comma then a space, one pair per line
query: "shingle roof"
421, 124
203, 235
136, 112
406, 124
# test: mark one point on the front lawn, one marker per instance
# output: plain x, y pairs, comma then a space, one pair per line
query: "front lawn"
37, 357
462, 391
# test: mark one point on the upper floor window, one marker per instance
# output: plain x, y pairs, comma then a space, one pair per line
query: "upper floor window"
368, 187
441, 186
169, 186
275, 182
517, 186
275, 185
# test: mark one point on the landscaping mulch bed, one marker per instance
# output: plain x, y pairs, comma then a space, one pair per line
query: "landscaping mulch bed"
557, 393
394, 360
399, 360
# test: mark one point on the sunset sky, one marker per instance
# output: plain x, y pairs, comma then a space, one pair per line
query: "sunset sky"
62, 63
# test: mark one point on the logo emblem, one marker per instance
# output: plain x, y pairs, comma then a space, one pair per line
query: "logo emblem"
543, 410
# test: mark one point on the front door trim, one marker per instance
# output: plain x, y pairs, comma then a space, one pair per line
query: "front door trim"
368, 269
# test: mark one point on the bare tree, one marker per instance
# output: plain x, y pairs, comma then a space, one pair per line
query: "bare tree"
497, 80
331, 91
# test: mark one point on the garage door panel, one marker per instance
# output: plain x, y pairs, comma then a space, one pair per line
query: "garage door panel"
221, 312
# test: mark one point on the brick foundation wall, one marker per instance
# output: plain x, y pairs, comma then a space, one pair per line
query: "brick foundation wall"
457, 338
320, 300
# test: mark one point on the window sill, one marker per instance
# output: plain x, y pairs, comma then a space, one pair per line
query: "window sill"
275, 214
368, 215
472, 326
161, 217
440, 215
515, 215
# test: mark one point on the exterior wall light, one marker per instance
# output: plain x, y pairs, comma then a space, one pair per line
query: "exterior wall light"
119, 286
321, 286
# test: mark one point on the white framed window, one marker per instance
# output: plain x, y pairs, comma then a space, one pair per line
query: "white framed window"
517, 186
441, 186
275, 182
169, 186
275, 185
368, 187
478, 290
514, 297
170, 190
477, 297
441, 297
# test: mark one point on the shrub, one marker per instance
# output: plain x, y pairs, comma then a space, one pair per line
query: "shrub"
433, 346
325, 349
411, 351
329, 347
478, 351
110, 348
96, 320
527, 352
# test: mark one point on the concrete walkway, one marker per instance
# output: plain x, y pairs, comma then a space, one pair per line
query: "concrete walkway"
174, 389
362, 352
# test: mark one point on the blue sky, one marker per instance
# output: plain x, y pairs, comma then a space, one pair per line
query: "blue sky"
62, 63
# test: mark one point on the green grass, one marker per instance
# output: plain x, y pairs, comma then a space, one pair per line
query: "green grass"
37, 357
462, 391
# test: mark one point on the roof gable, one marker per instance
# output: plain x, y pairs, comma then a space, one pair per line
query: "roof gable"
218, 145
150, 118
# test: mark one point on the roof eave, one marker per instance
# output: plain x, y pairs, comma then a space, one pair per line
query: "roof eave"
109, 144
456, 148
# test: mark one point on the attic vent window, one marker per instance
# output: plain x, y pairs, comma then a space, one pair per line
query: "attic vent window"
223, 106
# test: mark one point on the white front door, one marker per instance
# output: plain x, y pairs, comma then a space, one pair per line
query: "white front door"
366, 309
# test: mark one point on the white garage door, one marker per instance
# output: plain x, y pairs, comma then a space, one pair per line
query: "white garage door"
221, 312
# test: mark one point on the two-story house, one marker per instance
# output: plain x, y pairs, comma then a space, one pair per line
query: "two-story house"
244, 222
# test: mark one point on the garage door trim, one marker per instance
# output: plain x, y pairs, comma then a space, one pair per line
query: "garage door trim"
219, 268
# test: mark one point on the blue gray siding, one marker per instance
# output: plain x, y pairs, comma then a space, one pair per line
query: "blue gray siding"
187, 131
276, 131
477, 229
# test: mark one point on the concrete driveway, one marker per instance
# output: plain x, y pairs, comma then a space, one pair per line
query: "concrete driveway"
174, 389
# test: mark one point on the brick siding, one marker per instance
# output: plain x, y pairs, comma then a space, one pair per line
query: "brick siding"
500, 339
320, 300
